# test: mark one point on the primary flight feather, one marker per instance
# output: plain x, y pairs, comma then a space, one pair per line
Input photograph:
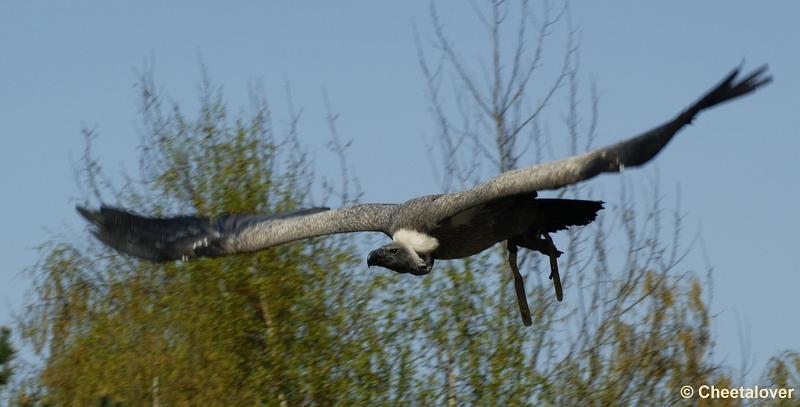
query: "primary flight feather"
424, 229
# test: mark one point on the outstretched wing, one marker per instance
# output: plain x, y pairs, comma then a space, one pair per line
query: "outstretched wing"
188, 237
614, 158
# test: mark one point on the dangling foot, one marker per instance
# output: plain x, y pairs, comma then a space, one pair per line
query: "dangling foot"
554, 254
519, 285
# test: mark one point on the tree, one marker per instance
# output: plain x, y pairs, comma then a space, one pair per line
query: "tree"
638, 332
7, 353
783, 372
209, 333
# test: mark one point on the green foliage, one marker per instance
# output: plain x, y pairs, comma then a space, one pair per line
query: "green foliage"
245, 330
783, 371
7, 353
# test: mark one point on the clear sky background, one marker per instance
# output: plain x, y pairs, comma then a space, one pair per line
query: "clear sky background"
64, 65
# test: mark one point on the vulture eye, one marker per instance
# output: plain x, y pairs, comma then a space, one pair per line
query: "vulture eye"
393, 251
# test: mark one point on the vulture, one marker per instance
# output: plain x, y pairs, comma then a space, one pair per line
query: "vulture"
424, 229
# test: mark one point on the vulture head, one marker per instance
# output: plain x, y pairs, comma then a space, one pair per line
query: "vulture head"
401, 258
410, 252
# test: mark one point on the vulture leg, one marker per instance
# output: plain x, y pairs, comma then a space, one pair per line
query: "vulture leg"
535, 239
519, 285
553, 253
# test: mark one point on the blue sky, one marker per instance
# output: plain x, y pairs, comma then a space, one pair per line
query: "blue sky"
68, 65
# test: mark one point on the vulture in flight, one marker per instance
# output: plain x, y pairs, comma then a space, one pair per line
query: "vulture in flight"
424, 229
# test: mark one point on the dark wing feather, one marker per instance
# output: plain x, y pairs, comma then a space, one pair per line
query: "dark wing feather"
560, 214
188, 237
629, 153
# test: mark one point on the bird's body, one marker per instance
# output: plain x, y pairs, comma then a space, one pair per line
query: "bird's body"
481, 227
424, 229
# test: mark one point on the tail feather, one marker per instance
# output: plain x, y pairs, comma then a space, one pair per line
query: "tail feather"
560, 214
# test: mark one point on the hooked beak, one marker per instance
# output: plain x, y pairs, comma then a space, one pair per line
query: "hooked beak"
374, 257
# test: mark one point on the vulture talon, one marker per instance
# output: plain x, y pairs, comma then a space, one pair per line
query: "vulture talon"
519, 286
554, 254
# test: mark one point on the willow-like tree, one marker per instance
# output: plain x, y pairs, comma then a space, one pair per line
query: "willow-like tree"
7, 353
635, 328
291, 324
